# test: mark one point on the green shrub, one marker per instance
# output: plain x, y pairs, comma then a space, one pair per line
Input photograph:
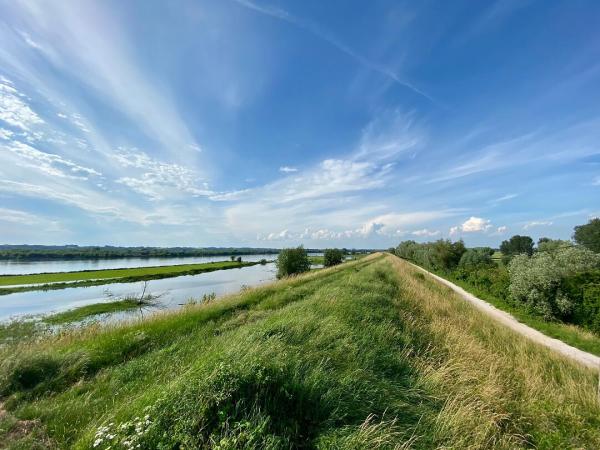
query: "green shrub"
493, 280
536, 280
584, 290
551, 245
332, 257
292, 261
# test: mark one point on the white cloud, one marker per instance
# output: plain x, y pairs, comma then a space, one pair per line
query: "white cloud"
90, 43
15, 216
472, 225
288, 169
426, 232
537, 223
49, 163
157, 180
13, 110
387, 225
502, 229
5, 134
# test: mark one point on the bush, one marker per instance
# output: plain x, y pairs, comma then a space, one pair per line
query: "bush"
292, 261
584, 289
536, 281
332, 257
551, 245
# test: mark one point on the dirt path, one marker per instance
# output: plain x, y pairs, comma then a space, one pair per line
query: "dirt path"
585, 358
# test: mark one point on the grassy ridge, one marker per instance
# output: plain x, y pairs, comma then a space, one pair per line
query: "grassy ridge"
367, 354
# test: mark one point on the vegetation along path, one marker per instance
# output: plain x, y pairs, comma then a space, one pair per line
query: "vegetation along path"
508, 320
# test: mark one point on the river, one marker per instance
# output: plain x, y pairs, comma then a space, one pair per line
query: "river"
23, 267
172, 292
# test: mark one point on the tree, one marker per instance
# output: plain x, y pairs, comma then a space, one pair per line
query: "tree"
332, 257
589, 235
517, 245
239, 259
292, 261
476, 258
446, 254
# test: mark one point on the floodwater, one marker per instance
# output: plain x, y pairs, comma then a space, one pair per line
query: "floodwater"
23, 267
172, 292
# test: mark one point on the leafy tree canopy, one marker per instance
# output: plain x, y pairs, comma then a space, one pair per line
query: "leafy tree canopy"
589, 235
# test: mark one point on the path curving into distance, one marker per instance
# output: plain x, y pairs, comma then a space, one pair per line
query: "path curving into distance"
584, 358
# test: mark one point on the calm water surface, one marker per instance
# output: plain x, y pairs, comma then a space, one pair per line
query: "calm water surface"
173, 291
22, 267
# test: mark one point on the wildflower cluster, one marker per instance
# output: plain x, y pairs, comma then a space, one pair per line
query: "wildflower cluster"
127, 436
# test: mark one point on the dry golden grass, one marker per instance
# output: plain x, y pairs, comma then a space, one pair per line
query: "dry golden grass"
499, 390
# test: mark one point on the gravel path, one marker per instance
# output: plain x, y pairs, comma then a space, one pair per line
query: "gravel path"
585, 358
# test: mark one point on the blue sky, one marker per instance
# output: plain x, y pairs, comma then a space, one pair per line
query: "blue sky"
273, 123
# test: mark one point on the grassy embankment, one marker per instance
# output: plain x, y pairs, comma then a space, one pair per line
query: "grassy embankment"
367, 354
61, 280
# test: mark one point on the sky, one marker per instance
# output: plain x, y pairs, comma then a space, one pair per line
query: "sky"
270, 123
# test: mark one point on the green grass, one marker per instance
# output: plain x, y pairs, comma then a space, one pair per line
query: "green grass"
317, 260
363, 355
62, 280
84, 312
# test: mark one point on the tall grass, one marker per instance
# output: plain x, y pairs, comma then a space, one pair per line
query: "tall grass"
364, 355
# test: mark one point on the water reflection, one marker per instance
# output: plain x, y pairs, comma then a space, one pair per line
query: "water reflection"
173, 291
23, 267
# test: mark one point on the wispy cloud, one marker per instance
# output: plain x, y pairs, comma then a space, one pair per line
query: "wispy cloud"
505, 198
426, 232
48, 163
328, 37
16, 216
537, 223
157, 179
13, 110
288, 169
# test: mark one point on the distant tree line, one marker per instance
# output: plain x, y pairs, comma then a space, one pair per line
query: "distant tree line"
555, 280
73, 252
